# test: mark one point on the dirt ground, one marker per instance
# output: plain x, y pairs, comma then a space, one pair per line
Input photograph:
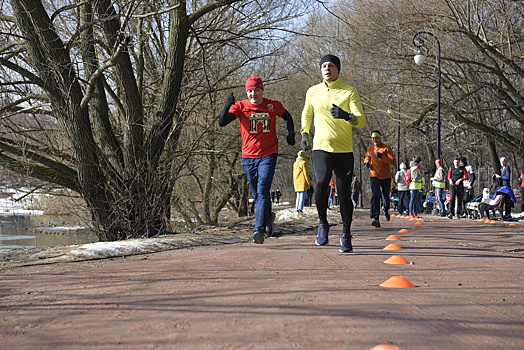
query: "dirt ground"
284, 294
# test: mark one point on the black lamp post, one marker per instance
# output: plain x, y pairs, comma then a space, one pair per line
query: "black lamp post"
419, 59
398, 129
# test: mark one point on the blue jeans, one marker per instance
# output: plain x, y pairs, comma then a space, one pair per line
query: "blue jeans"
438, 194
379, 193
300, 200
414, 201
260, 172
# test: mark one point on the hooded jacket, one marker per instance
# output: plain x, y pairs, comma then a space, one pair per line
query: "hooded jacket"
399, 178
301, 179
416, 176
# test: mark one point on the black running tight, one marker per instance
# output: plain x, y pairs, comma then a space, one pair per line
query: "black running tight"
341, 164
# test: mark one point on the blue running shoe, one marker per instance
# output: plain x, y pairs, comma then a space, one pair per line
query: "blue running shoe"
345, 245
322, 236
258, 237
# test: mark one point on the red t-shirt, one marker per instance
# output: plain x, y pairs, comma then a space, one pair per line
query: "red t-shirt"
258, 126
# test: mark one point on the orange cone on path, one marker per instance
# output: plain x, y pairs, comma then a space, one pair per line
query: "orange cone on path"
397, 282
397, 260
393, 238
392, 247
404, 230
385, 347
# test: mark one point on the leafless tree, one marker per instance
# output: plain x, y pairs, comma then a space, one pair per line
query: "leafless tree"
119, 81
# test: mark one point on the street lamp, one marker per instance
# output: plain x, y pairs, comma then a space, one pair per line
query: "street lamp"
398, 129
419, 59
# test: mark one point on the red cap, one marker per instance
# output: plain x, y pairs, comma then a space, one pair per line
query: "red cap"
254, 83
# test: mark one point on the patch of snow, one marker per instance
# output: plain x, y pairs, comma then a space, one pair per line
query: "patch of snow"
15, 207
62, 228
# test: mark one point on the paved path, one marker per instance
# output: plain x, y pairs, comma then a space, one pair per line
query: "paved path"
284, 294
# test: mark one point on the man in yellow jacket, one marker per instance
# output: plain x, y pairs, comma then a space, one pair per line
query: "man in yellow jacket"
301, 179
334, 108
379, 159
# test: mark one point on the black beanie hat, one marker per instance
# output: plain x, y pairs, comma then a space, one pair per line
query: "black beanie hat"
331, 58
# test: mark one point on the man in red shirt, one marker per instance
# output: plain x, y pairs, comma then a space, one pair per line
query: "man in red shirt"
257, 117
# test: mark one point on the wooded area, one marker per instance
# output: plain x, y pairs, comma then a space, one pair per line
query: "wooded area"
118, 101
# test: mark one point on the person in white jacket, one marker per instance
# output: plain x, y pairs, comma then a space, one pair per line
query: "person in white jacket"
403, 189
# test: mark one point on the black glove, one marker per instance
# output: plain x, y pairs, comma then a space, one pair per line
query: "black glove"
367, 165
229, 101
290, 138
339, 113
304, 144
379, 155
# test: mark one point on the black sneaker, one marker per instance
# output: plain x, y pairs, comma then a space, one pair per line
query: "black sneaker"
258, 237
386, 214
322, 235
270, 225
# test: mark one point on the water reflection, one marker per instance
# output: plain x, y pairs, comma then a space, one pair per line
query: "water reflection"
29, 231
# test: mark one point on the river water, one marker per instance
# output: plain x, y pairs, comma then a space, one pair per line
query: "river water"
30, 231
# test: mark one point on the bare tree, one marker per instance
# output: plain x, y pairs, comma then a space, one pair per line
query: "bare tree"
116, 77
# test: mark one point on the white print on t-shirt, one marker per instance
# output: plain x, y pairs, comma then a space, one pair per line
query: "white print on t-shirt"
259, 118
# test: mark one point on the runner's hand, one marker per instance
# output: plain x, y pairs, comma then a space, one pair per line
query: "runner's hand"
304, 144
339, 113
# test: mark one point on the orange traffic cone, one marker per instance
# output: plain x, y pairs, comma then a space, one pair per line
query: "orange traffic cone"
393, 238
404, 230
397, 260
397, 282
392, 247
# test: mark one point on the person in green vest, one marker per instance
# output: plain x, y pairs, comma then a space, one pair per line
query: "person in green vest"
415, 186
439, 184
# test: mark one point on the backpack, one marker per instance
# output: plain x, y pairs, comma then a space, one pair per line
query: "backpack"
407, 177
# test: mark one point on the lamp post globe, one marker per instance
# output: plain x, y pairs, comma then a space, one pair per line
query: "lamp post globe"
419, 58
